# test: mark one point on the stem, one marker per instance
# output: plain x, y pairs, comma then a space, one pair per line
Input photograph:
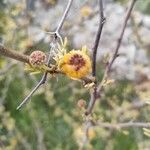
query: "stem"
98, 36
115, 55
121, 35
13, 54
96, 43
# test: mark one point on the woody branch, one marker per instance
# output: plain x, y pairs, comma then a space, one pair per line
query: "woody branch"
95, 47
115, 55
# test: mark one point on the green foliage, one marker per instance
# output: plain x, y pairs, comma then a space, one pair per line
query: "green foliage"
142, 5
125, 142
53, 114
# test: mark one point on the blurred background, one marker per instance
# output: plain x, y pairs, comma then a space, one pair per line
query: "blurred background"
52, 119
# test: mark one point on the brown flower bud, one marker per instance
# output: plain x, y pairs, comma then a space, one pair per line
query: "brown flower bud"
37, 58
81, 103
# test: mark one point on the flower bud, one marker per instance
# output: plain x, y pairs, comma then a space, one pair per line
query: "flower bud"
37, 58
81, 103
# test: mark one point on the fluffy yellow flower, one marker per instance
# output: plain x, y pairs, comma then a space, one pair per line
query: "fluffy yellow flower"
75, 64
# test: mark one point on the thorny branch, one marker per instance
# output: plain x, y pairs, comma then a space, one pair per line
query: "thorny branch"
96, 43
56, 35
98, 89
121, 36
42, 81
115, 55
98, 36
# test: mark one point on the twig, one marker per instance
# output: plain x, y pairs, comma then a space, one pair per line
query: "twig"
115, 55
13, 54
88, 125
96, 43
121, 35
38, 129
133, 106
117, 126
98, 36
56, 35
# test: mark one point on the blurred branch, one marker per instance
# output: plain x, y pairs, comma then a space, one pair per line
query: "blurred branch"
135, 105
13, 54
96, 43
136, 29
85, 141
56, 36
121, 36
117, 126
6, 68
38, 129
22, 140
115, 55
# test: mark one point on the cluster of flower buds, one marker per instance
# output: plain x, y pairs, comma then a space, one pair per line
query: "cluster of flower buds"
37, 58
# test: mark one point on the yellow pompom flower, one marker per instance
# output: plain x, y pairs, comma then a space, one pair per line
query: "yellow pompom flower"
75, 64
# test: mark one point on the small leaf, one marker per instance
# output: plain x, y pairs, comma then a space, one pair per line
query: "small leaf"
146, 132
84, 49
35, 72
